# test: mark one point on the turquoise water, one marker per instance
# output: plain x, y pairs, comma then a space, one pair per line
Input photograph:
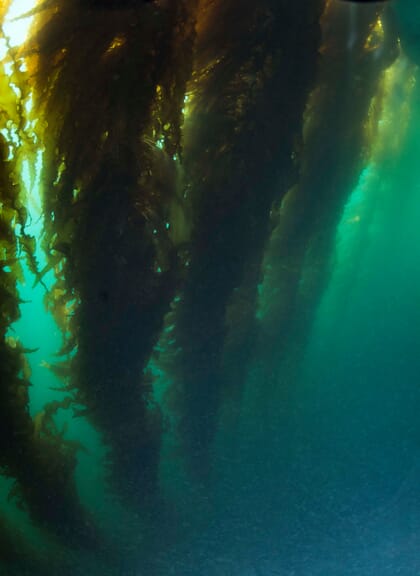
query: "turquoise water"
313, 462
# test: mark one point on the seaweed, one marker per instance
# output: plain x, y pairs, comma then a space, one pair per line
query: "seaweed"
189, 211
245, 106
112, 195
42, 467
335, 147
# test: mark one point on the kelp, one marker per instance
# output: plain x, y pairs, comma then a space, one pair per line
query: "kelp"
110, 87
388, 124
43, 470
176, 136
253, 69
353, 56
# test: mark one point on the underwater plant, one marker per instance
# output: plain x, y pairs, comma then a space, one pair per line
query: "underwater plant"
246, 101
194, 160
111, 187
42, 467
334, 150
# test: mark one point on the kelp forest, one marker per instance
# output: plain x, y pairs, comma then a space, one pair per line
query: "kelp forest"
209, 288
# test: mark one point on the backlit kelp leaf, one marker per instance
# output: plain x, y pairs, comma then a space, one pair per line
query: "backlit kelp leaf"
61, 370
8, 103
27, 244
45, 425
17, 271
53, 261
68, 346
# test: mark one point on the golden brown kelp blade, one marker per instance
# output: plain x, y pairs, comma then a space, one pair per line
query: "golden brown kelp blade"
110, 84
254, 66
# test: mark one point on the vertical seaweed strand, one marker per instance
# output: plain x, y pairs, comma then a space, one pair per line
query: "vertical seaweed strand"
354, 53
253, 68
42, 466
110, 85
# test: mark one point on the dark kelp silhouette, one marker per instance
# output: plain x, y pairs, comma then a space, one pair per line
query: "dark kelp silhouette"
247, 98
111, 182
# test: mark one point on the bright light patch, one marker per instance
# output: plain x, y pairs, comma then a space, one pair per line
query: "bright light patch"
15, 31
3, 48
116, 43
386, 141
29, 104
187, 105
15, 28
376, 36
11, 135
